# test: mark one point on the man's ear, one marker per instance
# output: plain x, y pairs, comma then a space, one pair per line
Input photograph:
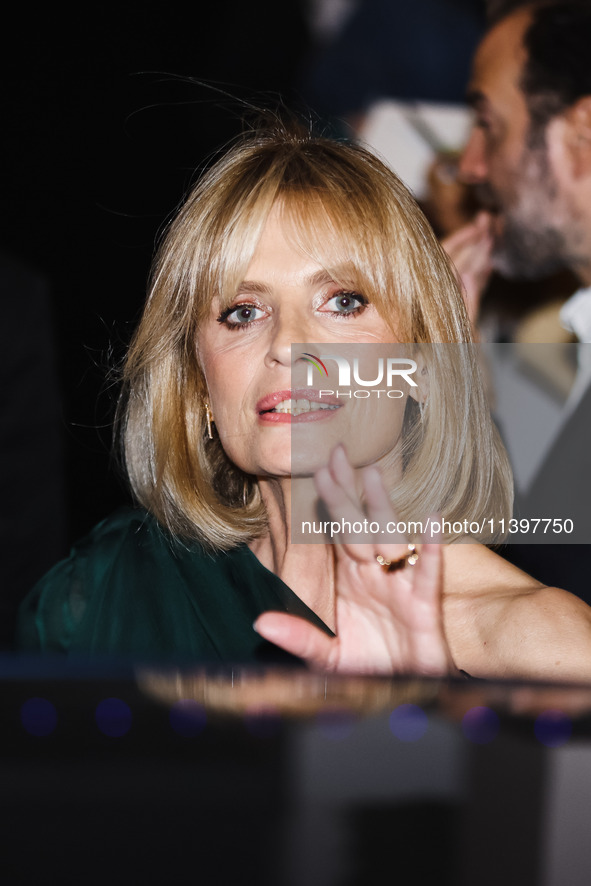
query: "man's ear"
578, 136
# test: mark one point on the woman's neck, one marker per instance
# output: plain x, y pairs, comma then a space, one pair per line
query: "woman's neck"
308, 569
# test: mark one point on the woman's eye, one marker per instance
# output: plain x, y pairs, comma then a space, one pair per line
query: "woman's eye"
345, 303
240, 315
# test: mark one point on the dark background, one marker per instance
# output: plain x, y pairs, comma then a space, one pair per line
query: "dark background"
103, 131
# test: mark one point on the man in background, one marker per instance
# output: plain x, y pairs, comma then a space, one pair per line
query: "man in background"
529, 160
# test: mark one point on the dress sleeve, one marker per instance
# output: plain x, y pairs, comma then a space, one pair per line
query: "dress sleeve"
129, 588
64, 607
126, 589
51, 613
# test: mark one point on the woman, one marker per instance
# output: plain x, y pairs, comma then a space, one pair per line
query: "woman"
293, 239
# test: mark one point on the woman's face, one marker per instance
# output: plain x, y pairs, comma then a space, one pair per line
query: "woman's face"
253, 365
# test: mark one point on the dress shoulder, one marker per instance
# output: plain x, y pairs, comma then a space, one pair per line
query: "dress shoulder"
129, 587
112, 591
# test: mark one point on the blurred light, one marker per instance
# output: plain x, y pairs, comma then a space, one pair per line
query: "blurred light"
113, 717
480, 724
187, 717
38, 716
553, 728
408, 722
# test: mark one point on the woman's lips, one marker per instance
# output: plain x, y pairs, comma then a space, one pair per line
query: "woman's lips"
300, 405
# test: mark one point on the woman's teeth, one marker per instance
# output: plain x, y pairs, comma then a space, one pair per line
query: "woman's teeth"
296, 407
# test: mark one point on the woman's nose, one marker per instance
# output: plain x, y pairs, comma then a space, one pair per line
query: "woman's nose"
472, 167
289, 329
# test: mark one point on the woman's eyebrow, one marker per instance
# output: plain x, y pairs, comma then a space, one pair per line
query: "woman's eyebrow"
318, 278
253, 286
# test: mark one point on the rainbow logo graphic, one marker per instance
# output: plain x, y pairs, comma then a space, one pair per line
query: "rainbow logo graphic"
316, 362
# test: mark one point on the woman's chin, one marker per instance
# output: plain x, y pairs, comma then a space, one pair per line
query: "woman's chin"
301, 466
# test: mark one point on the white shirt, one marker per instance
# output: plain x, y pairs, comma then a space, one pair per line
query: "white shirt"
575, 314
530, 432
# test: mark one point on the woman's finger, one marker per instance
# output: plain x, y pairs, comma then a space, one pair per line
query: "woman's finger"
336, 486
365, 532
337, 500
299, 637
428, 572
343, 474
379, 508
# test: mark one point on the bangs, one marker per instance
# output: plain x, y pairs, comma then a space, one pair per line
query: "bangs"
352, 249
341, 207
345, 244
232, 245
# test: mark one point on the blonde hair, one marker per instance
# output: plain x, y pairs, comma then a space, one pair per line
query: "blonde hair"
378, 239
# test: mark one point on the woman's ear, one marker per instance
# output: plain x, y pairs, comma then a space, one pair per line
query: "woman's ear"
420, 393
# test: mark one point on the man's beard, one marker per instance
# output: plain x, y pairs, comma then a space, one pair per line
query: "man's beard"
524, 253
529, 245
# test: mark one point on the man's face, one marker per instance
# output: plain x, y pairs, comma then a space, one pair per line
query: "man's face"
513, 169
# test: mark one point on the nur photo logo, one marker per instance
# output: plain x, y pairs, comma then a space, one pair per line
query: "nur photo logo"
386, 371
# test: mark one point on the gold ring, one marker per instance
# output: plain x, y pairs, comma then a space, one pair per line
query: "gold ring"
392, 565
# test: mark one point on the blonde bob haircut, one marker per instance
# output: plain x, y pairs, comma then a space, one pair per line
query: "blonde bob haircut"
352, 214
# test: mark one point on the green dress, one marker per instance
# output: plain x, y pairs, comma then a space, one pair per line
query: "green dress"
129, 588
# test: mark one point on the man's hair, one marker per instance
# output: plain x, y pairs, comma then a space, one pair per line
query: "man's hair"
499, 9
557, 71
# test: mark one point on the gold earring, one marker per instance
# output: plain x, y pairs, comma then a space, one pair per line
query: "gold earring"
209, 420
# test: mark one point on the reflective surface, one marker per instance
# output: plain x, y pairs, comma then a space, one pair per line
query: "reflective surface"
119, 774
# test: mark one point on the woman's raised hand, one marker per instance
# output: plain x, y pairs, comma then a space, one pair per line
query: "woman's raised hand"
386, 621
